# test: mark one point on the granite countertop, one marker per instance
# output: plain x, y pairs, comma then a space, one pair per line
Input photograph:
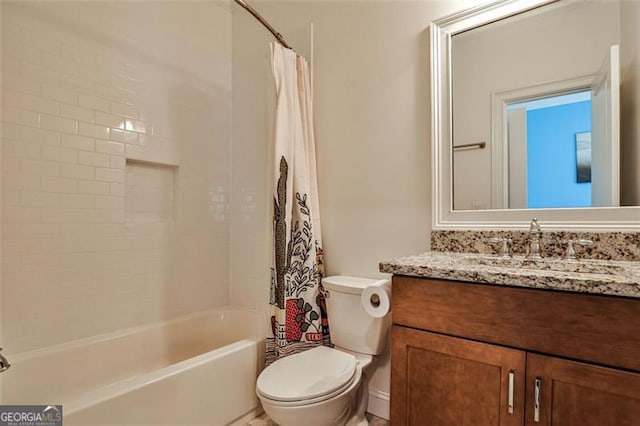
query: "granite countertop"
615, 278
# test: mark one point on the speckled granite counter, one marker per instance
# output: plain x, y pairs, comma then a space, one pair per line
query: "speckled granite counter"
615, 278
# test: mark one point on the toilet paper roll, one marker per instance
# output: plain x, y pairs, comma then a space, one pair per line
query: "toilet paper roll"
376, 299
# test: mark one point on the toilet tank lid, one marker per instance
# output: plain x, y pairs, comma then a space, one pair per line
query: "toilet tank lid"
348, 284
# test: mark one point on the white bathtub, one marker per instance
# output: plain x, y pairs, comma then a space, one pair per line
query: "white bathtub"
198, 369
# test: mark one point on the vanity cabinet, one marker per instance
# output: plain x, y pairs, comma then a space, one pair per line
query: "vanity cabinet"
472, 354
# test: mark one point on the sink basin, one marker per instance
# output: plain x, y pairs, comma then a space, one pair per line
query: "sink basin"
557, 265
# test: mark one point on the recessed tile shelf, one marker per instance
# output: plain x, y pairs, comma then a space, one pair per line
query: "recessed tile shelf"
150, 192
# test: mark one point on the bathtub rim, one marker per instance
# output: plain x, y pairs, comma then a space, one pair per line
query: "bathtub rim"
103, 337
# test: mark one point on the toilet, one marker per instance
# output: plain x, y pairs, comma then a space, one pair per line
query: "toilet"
328, 386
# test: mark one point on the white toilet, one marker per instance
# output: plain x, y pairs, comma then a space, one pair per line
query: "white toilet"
325, 386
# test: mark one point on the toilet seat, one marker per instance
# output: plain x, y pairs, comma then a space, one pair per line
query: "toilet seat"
308, 377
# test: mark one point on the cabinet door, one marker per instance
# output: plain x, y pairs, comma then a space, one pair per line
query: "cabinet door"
572, 393
440, 380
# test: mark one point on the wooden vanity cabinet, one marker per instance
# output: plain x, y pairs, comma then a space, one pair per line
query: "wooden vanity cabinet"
470, 354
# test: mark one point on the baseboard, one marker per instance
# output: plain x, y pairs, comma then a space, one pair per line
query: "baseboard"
379, 403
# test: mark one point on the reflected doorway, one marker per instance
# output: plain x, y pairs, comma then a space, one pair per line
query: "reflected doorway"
547, 138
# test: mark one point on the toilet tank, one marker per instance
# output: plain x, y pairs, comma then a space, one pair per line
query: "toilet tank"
350, 326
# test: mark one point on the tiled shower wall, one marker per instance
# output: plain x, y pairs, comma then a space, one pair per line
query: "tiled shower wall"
87, 86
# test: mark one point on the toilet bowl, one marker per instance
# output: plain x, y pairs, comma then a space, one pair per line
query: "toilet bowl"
318, 387
328, 386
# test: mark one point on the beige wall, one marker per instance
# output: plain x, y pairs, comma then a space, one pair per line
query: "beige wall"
630, 102
506, 57
371, 87
85, 86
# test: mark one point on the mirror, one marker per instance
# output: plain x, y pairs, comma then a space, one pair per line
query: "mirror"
528, 117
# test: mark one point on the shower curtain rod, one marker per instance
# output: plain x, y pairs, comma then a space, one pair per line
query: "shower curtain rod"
263, 21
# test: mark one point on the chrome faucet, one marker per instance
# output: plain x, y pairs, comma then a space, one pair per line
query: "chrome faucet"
534, 240
4, 363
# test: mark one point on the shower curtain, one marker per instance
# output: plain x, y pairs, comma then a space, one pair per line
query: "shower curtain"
298, 315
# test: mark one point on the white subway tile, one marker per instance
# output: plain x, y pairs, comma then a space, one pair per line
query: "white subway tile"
58, 184
41, 262
20, 181
93, 130
42, 41
11, 165
109, 120
135, 126
10, 131
124, 136
58, 63
21, 51
57, 215
93, 102
63, 155
118, 189
117, 162
20, 150
77, 172
124, 110
18, 214
109, 147
93, 187
18, 247
95, 74
59, 94
94, 216
110, 175
38, 104
79, 54
39, 199
40, 168
76, 84
77, 201
94, 159
117, 216
11, 231
107, 91
40, 230
20, 83
77, 231
77, 113
41, 136
11, 264
40, 74
142, 153
59, 124
109, 202
20, 116
78, 142
10, 98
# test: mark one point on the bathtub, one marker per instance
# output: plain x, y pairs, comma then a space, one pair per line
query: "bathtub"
198, 369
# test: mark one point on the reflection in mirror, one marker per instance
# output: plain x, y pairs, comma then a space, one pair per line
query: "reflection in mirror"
542, 89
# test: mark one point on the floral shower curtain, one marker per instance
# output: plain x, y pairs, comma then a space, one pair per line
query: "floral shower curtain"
298, 314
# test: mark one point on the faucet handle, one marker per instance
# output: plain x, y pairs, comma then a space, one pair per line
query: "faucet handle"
506, 250
570, 254
534, 226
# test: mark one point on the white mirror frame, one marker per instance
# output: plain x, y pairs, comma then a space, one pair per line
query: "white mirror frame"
443, 215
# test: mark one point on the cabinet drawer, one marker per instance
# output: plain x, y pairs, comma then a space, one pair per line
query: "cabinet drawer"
600, 329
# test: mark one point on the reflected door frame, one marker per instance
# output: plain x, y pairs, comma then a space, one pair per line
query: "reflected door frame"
500, 132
